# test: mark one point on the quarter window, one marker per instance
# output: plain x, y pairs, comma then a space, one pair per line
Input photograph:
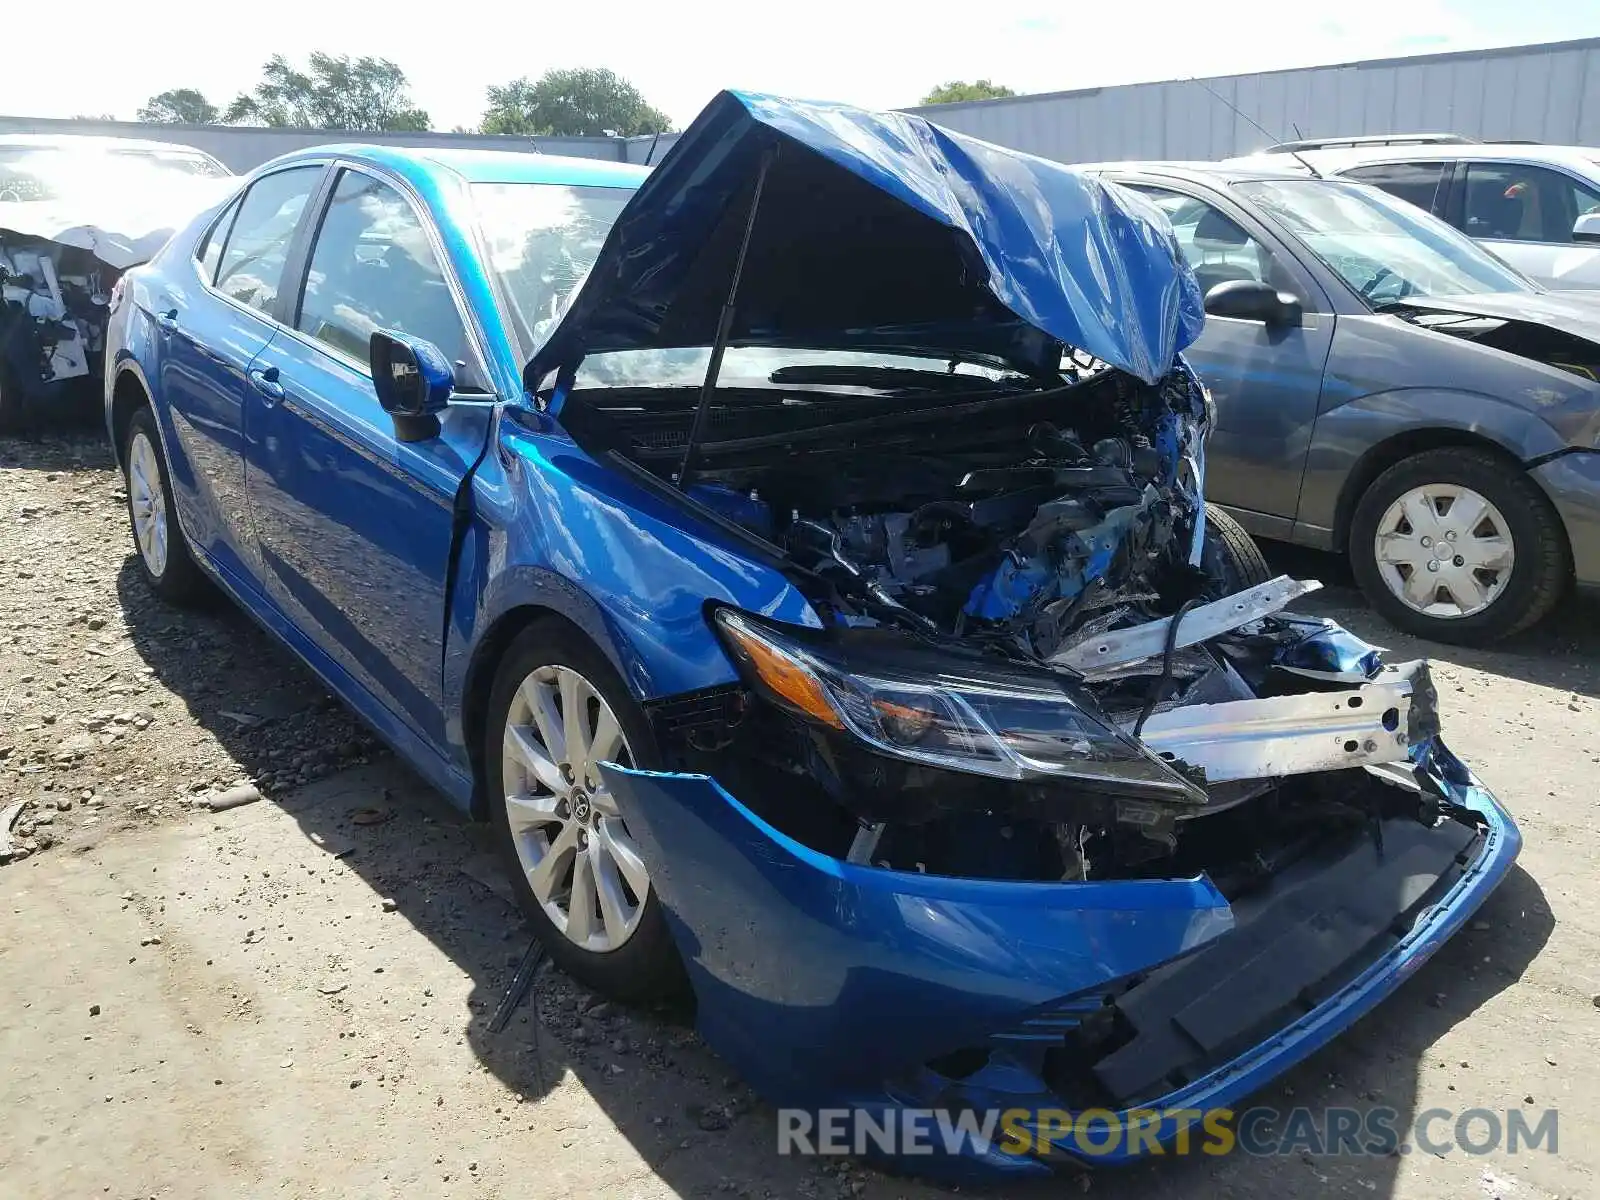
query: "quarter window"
1414, 182
1517, 202
209, 252
372, 268
252, 262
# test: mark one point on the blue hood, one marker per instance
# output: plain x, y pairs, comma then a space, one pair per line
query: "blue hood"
880, 231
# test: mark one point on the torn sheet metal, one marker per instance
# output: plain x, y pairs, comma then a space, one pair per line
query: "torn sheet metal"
1328, 652
1107, 653
1295, 735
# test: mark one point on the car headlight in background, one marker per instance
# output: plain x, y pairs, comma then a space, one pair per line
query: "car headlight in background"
999, 723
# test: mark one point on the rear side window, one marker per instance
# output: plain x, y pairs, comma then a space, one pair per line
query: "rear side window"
1522, 203
209, 253
1414, 182
252, 262
373, 267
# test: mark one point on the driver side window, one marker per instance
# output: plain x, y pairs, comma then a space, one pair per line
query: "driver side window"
1216, 247
373, 267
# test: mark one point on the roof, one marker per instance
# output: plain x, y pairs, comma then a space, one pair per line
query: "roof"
1584, 157
1236, 171
80, 141
482, 166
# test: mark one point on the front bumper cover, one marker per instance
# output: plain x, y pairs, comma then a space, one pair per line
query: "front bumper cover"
829, 984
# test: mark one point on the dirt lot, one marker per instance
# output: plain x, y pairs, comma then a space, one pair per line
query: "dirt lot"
291, 998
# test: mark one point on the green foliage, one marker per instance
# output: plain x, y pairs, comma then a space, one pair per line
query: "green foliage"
581, 100
958, 90
334, 92
179, 106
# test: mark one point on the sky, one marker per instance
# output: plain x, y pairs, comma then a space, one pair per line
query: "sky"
680, 52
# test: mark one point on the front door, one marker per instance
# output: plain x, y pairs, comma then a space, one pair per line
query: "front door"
1525, 214
1265, 380
354, 526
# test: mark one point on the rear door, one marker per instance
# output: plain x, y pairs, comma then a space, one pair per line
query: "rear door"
355, 526
211, 334
1266, 381
1421, 183
1525, 213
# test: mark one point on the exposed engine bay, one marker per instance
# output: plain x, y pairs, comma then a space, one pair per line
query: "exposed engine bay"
53, 311
951, 505
1033, 663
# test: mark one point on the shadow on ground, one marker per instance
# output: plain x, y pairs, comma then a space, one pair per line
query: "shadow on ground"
698, 1128
1563, 651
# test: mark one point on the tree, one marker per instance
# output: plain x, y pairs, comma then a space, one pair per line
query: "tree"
958, 90
179, 106
582, 100
334, 92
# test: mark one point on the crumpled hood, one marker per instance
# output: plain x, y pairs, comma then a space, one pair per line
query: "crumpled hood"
880, 231
1575, 313
121, 229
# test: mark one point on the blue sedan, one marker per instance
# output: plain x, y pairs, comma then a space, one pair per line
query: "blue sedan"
799, 555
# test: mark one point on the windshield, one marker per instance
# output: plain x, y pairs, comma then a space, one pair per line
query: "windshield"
542, 238
58, 172
1384, 248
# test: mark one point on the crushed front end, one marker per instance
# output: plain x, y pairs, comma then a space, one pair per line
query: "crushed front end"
1041, 815
54, 305
1048, 806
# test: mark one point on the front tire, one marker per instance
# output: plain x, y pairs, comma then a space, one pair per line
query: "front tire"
557, 709
1230, 555
1458, 545
163, 552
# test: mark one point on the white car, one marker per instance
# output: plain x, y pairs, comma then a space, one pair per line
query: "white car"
1537, 207
75, 212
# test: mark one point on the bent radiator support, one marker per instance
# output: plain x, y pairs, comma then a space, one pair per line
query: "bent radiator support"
1109, 651
1295, 735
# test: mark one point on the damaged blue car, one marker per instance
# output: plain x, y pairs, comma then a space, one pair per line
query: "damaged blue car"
799, 554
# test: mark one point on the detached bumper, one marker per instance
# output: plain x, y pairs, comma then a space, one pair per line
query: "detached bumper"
1572, 481
832, 985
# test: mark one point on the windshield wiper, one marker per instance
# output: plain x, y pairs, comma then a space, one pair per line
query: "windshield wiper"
886, 378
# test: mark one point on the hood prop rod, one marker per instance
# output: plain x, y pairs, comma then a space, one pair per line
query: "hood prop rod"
724, 327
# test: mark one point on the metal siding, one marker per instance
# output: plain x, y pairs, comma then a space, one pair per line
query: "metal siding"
1550, 93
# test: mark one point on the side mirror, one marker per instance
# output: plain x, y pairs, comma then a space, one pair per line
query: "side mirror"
1587, 228
413, 380
1250, 300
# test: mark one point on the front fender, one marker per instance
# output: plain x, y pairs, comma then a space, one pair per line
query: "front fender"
1345, 434
557, 530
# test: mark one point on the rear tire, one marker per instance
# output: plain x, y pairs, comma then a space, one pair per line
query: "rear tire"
1518, 527
158, 539
623, 948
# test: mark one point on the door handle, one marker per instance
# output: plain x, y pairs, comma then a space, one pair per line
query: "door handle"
266, 382
168, 321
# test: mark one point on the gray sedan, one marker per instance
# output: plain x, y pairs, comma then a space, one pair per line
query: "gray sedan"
1388, 389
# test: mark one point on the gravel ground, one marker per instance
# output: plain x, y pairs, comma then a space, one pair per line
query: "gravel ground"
291, 998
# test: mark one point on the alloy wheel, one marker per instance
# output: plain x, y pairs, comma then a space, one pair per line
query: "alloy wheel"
570, 839
1444, 551
148, 503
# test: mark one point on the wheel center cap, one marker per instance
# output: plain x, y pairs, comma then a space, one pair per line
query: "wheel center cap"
580, 805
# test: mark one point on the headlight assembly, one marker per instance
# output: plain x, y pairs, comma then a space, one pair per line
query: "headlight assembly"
960, 714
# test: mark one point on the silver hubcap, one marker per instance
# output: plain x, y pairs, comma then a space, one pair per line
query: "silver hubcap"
1444, 551
570, 839
148, 503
